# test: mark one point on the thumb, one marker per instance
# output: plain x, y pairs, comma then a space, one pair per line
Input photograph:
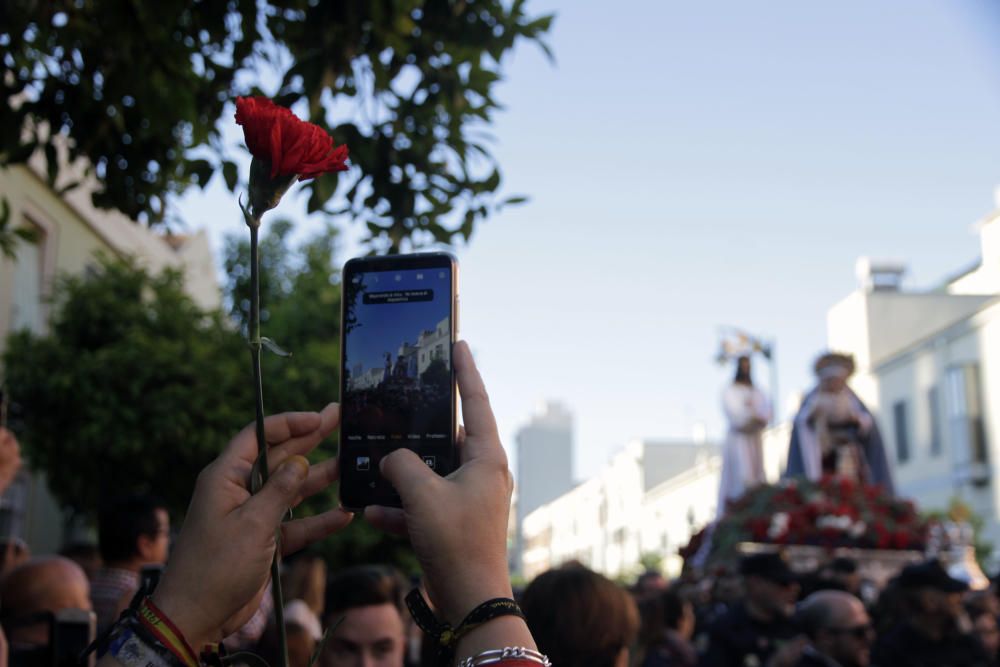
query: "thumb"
280, 490
408, 474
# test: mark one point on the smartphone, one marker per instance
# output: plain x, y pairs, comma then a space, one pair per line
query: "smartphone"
149, 578
399, 322
72, 631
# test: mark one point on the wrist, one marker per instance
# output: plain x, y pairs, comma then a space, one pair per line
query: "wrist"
495, 634
468, 597
186, 618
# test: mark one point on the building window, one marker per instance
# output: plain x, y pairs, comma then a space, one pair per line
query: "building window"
28, 279
934, 415
902, 431
966, 428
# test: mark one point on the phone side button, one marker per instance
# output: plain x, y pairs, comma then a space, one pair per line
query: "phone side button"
458, 310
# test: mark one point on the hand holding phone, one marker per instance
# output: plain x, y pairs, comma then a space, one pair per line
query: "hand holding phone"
399, 324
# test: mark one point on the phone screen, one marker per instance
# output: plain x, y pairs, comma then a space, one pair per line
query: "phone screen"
397, 384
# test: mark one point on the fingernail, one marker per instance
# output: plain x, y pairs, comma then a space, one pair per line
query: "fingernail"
300, 465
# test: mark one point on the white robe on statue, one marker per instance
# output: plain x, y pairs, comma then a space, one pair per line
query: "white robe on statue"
748, 411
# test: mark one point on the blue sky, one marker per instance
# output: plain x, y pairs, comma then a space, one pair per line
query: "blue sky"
692, 165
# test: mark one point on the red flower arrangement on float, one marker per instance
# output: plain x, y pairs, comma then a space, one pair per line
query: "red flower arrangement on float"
834, 512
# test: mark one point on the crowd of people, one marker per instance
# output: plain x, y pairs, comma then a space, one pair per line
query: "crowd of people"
215, 583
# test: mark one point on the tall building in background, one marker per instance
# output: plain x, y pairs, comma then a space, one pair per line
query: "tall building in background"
544, 461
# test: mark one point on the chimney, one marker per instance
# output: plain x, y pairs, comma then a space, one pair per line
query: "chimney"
880, 275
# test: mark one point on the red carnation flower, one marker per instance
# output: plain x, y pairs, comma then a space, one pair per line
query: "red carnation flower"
292, 146
284, 148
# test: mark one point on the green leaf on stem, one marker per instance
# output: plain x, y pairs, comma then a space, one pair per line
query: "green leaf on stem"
322, 642
274, 347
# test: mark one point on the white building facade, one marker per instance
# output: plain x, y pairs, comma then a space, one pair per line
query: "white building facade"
628, 510
929, 368
649, 500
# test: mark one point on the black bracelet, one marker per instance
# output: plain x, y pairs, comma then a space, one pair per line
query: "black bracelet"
446, 636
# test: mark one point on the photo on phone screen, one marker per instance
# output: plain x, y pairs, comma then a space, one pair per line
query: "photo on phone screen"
397, 380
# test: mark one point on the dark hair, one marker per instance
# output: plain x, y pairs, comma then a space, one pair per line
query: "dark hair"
121, 521
741, 377
363, 586
673, 609
579, 618
662, 612
813, 617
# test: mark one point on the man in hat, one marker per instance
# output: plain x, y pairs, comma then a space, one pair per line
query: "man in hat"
930, 632
759, 630
834, 433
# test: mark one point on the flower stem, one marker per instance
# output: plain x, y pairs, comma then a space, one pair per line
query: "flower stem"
255, 347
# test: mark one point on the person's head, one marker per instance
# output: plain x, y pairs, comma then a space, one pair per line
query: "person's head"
305, 579
770, 585
833, 370
984, 627
838, 626
743, 370
84, 554
579, 618
133, 531
845, 573
930, 595
727, 588
649, 583
678, 613
364, 608
43, 584
668, 611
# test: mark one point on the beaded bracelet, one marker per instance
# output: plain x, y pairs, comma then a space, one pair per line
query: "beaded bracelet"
512, 655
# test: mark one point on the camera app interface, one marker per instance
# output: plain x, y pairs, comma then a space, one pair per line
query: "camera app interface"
397, 370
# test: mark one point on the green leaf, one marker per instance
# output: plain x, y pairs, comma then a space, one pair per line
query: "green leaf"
51, 162
318, 651
274, 347
230, 172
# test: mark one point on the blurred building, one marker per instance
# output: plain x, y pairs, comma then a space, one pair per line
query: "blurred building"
928, 365
544, 461
71, 231
648, 499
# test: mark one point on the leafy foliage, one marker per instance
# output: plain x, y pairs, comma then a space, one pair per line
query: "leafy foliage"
135, 88
408, 85
134, 389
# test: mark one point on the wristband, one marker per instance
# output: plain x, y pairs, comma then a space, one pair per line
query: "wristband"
446, 636
144, 637
167, 633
